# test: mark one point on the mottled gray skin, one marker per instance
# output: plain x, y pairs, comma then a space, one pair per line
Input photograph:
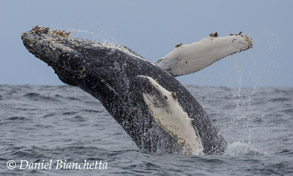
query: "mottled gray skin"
111, 76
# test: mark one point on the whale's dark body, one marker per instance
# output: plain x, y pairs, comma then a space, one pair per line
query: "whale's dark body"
111, 75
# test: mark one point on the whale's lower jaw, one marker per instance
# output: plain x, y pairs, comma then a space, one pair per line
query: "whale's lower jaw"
124, 82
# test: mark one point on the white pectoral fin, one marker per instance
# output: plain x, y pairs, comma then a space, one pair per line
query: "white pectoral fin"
170, 116
189, 58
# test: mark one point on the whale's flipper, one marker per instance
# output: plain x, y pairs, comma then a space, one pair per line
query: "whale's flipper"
167, 112
189, 58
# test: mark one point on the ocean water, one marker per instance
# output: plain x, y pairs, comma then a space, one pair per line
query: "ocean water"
39, 124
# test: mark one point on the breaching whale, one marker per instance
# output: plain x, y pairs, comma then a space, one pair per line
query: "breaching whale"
156, 110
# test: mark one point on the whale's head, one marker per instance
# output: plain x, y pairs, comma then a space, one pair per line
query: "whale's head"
74, 60
55, 48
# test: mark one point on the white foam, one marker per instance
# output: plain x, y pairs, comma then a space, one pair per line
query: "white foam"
240, 149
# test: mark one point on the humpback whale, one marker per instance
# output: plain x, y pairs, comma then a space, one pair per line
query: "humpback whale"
153, 107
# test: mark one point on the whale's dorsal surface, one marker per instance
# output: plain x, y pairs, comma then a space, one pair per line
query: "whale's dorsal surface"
154, 108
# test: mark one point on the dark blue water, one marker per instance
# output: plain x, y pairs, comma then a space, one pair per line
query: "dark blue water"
49, 123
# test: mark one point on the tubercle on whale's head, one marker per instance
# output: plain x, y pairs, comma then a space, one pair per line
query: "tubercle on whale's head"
56, 49
69, 57
45, 44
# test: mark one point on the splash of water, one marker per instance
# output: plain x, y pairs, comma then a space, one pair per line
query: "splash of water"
99, 36
241, 149
243, 99
243, 114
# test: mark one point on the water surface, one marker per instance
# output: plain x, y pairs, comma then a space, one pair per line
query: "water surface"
43, 123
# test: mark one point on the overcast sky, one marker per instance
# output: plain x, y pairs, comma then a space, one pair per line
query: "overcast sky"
152, 28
